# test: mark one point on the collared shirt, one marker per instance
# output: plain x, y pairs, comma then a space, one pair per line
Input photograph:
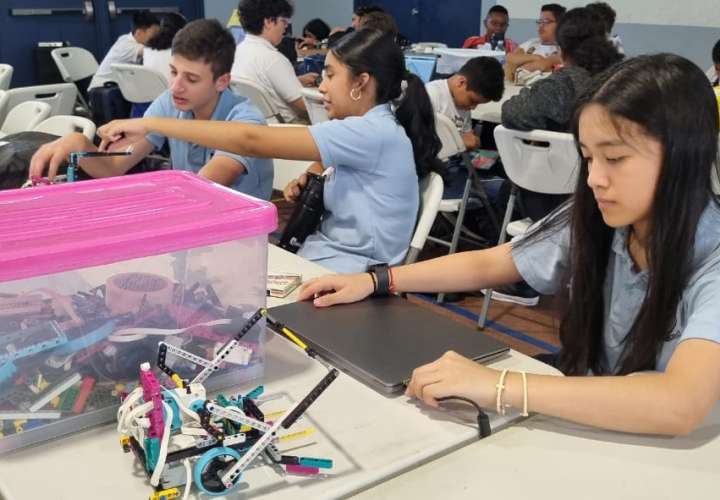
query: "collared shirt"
443, 103
257, 60
125, 50
159, 60
536, 46
544, 262
258, 176
371, 198
479, 40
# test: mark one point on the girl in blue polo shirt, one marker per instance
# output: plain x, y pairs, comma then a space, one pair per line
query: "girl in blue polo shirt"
636, 252
376, 153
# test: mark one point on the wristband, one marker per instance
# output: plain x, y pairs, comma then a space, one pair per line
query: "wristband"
382, 276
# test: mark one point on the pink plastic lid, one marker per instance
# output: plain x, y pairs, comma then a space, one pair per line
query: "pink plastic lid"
49, 229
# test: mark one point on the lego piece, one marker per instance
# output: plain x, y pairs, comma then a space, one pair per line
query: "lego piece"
151, 392
125, 443
68, 399
40, 415
32, 340
302, 470
55, 391
87, 340
7, 370
167, 494
85, 389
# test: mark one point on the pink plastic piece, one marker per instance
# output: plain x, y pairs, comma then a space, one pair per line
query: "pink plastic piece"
301, 469
90, 223
151, 392
85, 389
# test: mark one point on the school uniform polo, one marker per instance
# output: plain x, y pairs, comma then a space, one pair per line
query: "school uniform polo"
543, 263
257, 60
258, 177
442, 102
537, 47
371, 196
125, 50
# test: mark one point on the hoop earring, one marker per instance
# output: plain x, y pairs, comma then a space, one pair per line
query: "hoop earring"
355, 97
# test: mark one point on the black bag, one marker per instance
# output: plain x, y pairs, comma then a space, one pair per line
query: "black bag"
16, 154
108, 104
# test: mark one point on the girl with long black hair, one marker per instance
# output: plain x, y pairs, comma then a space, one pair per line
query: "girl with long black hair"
376, 153
636, 251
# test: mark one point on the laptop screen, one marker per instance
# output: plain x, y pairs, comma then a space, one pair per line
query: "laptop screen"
424, 67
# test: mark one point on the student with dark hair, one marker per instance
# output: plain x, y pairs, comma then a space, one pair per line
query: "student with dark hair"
257, 58
496, 24
371, 156
127, 48
157, 54
541, 53
636, 253
315, 31
716, 62
380, 21
362, 11
202, 54
607, 15
480, 80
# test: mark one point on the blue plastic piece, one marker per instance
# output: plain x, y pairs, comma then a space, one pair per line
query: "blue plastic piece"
172, 403
256, 393
205, 460
7, 370
152, 452
197, 405
321, 463
87, 340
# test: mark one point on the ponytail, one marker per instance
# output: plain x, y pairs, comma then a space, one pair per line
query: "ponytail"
415, 113
376, 53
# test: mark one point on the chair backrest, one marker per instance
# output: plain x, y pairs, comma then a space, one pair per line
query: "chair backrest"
74, 63
139, 83
60, 97
431, 192
64, 124
539, 160
25, 116
258, 96
6, 73
4, 98
452, 142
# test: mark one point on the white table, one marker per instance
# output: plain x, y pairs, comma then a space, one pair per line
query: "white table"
492, 111
371, 438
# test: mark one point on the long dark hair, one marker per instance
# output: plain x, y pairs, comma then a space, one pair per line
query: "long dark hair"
581, 36
377, 54
671, 99
170, 24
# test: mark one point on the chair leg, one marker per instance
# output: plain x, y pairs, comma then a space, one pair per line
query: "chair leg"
458, 226
412, 255
503, 233
478, 187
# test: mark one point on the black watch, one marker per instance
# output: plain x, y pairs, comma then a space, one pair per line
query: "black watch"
382, 277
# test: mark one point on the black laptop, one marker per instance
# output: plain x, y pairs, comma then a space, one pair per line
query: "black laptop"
380, 341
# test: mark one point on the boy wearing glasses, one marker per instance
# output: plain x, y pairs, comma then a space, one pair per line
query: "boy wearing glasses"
541, 53
496, 22
257, 59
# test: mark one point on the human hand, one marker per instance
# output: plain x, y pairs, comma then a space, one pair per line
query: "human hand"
52, 155
337, 289
471, 140
453, 375
537, 65
308, 79
293, 190
120, 134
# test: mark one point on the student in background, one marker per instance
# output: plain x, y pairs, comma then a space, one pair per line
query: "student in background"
357, 16
607, 14
480, 80
540, 53
127, 48
315, 31
641, 276
258, 60
371, 155
202, 53
716, 62
497, 21
158, 54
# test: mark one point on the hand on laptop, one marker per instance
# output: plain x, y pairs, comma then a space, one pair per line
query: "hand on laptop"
337, 289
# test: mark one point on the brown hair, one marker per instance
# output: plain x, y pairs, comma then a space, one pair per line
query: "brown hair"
209, 41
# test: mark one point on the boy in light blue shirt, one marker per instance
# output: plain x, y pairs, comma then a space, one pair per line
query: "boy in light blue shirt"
202, 55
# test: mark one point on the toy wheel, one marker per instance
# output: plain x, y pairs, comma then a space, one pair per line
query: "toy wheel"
209, 469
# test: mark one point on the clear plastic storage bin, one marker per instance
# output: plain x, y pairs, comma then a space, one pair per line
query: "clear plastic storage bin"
94, 274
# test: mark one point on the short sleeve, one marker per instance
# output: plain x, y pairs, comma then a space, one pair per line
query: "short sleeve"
351, 142
246, 114
543, 261
703, 313
161, 107
284, 81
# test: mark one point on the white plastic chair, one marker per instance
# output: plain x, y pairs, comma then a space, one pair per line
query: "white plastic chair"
4, 98
540, 161
24, 117
251, 90
65, 124
139, 84
6, 73
431, 191
453, 145
60, 97
314, 105
75, 64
